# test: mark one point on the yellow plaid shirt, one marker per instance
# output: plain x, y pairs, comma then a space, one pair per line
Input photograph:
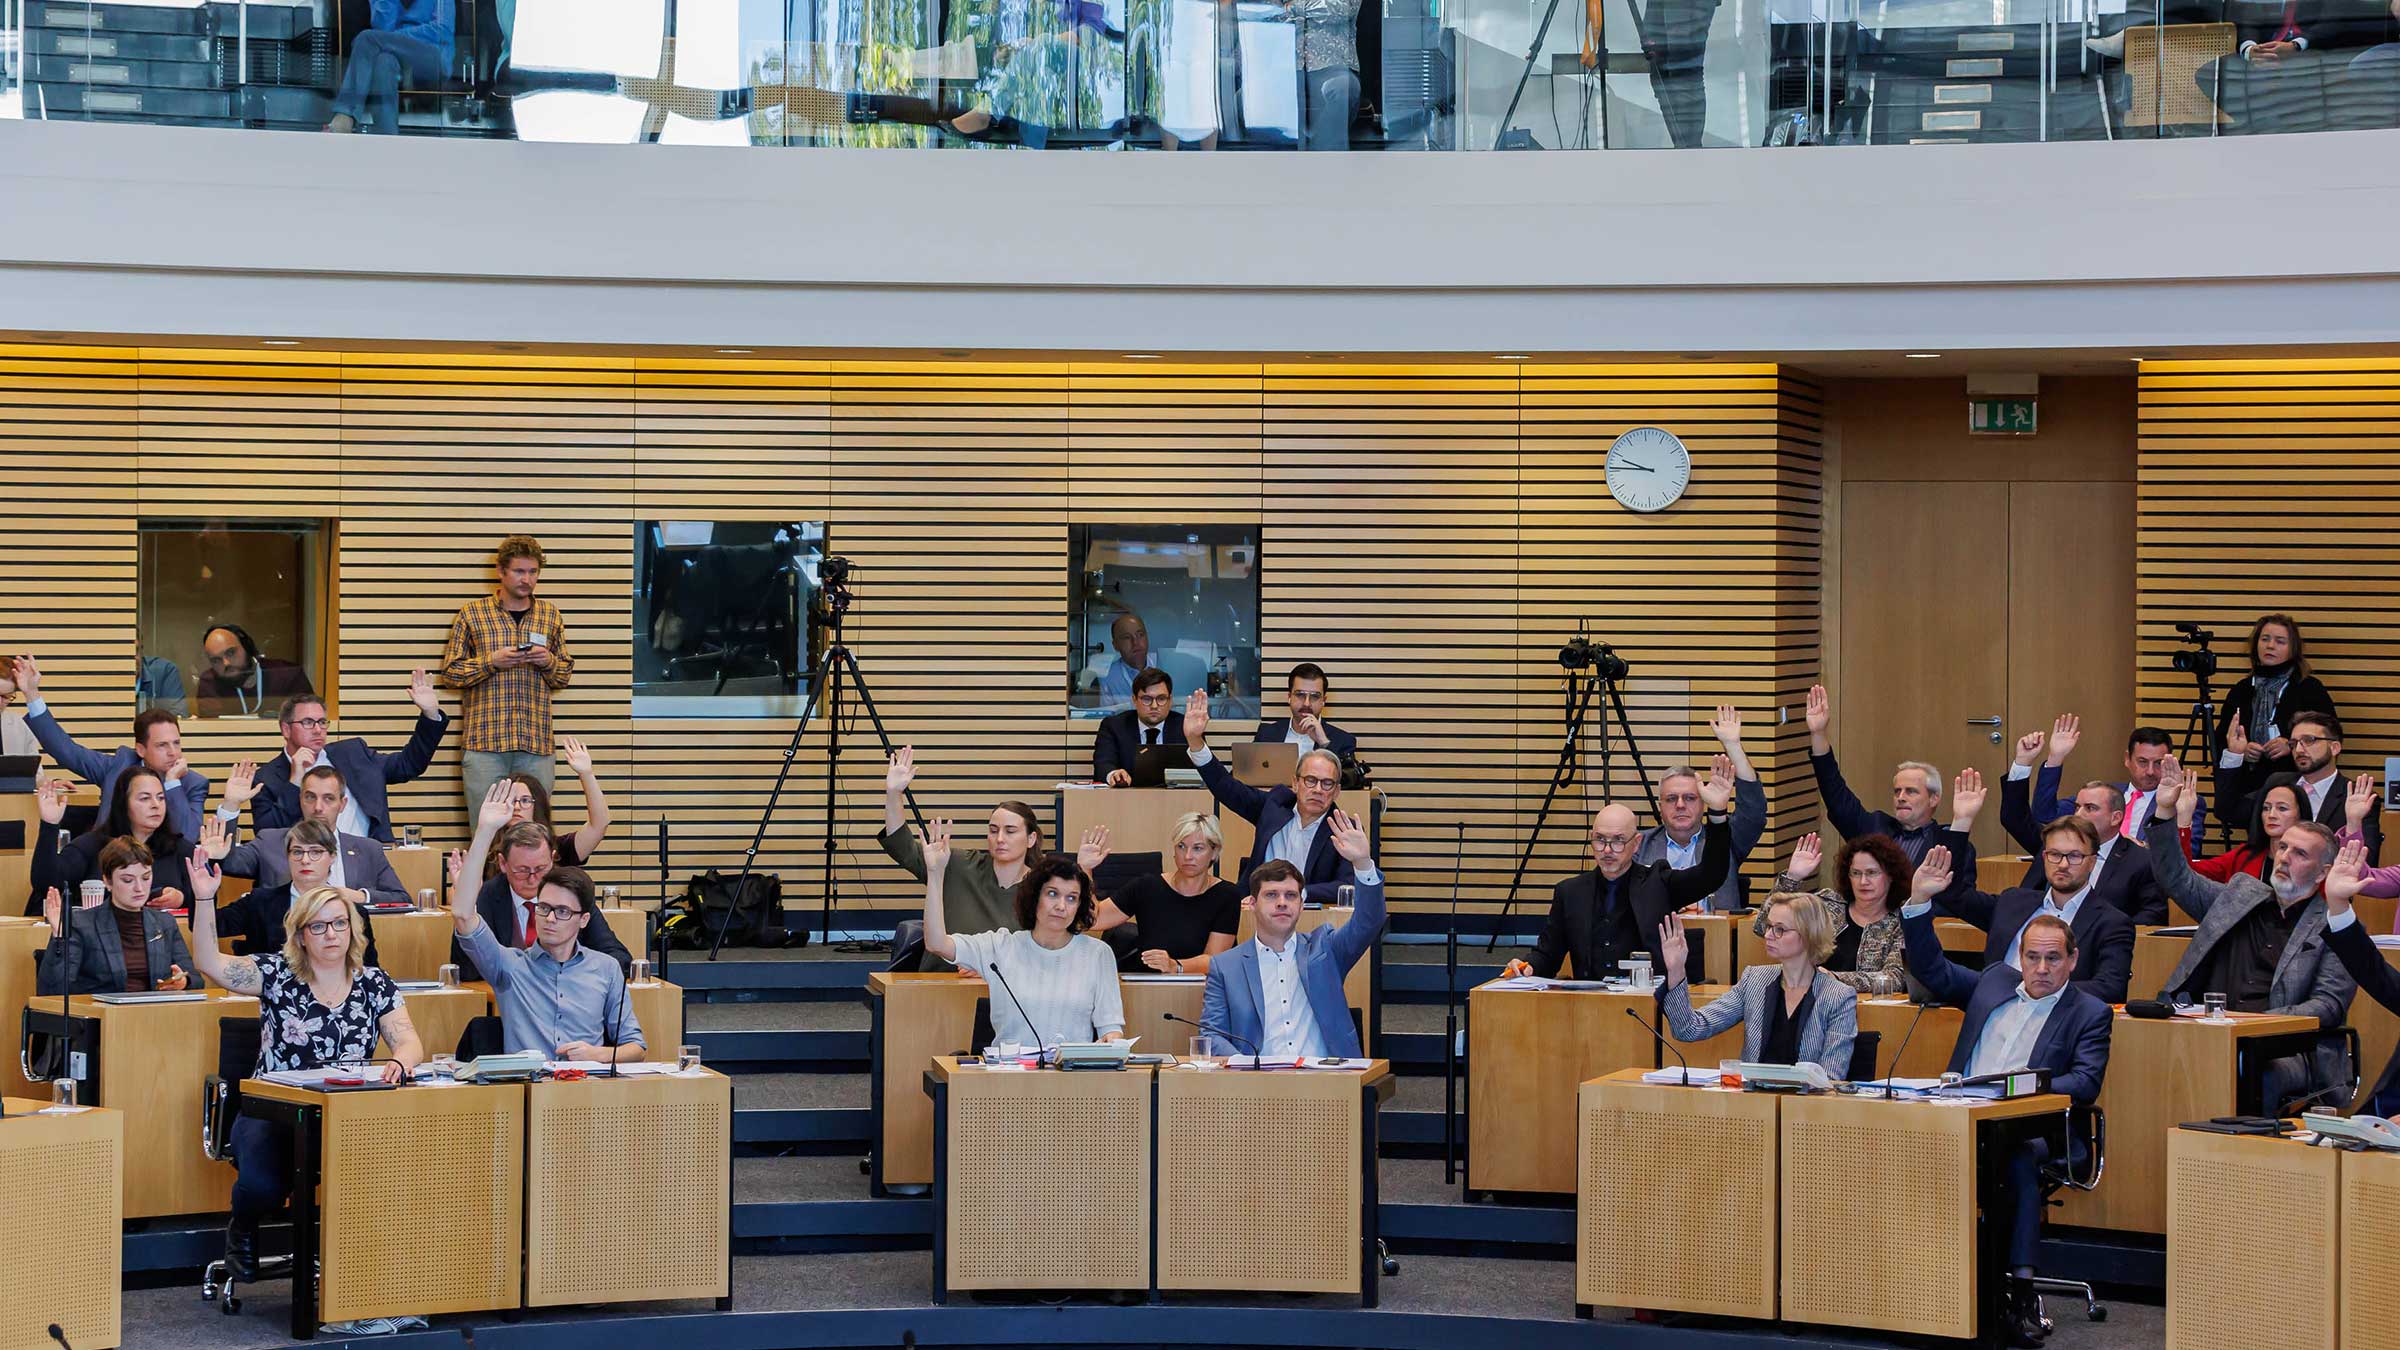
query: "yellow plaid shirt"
505, 709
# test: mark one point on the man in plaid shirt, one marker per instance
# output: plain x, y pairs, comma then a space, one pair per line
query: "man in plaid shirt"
507, 653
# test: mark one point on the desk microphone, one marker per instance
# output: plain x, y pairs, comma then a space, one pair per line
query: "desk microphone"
1663, 1041
1041, 1049
1896, 1054
59, 1336
608, 1025
1257, 1060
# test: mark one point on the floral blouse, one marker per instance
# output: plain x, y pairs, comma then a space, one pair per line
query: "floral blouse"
297, 1032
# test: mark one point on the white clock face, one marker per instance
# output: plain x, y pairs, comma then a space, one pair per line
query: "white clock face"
1648, 469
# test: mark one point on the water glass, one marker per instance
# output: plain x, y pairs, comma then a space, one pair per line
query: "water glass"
608, 898
448, 975
1205, 1053
1345, 897
443, 1066
1729, 1073
62, 1091
687, 1059
425, 900
412, 836
641, 972
2215, 1003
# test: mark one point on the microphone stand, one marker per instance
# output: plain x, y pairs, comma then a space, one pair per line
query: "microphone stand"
1896, 1054
1668, 1045
1450, 1018
608, 1026
1041, 1048
1257, 1061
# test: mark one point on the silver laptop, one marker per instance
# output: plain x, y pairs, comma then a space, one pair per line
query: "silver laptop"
1265, 764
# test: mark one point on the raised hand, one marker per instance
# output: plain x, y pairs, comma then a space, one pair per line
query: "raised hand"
1195, 719
243, 784
1933, 875
205, 879
52, 800
1967, 793
1350, 839
1819, 710
900, 771
2362, 801
1672, 948
2064, 734
2237, 741
2170, 787
420, 692
578, 758
2029, 749
216, 840
934, 839
1806, 856
498, 806
1717, 792
1093, 851
8, 681
2346, 876
29, 677
454, 865
54, 911
1726, 726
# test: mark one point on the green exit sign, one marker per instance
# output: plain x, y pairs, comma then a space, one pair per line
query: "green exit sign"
2000, 416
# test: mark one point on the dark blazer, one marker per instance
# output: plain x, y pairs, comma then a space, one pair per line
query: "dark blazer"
2124, 879
497, 904
1341, 742
1120, 735
2305, 984
80, 862
96, 954
2237, 788
365, 775
2356, 948
255, 922
364, 865
2073, 1046
1270, 811
1851, 816
1654, 890
1234, 1000
185, 804
2334, 815
2047, 806
2103, 935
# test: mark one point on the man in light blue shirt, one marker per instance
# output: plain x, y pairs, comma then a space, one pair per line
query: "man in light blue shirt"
1131, 638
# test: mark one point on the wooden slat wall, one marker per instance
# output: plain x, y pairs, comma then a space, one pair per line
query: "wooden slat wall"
1429, 533
2274, 486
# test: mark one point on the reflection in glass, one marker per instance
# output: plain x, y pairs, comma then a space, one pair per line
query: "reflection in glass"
1183, 599
720, 617
229, 612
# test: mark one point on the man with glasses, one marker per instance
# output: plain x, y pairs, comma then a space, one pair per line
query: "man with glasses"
367, 775
2146, 752
1613, 912
358, 867
2069, 856
1676, 838
1123, 735
557, 996
2121, 873
2316, 755
255, 922
507, 901
1290, 820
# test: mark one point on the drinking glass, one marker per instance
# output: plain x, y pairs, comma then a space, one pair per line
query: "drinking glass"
448, 975
608, 897
641, 972
687, 1059
412, 836
425, 900
444, 1066
1345, 897
92, 894
2215, 1003
62, 1091
1729, 1073
1206, 1053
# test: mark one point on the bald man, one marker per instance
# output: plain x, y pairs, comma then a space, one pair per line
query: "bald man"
1131, 637
1612, 913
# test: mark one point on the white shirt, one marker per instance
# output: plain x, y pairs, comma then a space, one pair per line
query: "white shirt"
1070, 994
1682, 857
351, 820
1290, 1023
2011, 1032
1293, 841
1293, 735
2319, 791
2063, 913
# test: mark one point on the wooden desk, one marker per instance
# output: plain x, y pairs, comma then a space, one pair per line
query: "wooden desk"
1928, 1050
1008, 1218
2155, 954
412, 1200
2252, 1225
658, 1006
1958, 935
70, 1256
153, 1059
632, 927
415, 945
1141, 820
1226, 1223
20, 939
1910, 1265
2370, 1268
666, 1230
1147, 1001
23, 809
1676, 1198
912, 1018
441, 1017
2000, 871
1528, 1051
2160, 1074
419, 869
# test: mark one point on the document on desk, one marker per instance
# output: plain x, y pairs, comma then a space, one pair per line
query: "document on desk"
1153, 977
1297, 1062
309, 1078
1684, 1077
593, 1068
1517, 982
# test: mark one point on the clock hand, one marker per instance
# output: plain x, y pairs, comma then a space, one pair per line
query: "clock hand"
1636, 464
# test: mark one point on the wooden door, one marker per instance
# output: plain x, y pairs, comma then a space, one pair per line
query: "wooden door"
2070, 628
1925, 635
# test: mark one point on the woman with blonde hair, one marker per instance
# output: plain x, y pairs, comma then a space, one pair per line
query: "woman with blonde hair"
1791, 1012
1187, 915
320, 1005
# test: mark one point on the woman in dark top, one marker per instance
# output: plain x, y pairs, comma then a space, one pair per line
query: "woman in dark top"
1791, 1012
2277, 689
123, 946
1867, 949
532, 802
2274, 808
137, 808
1187, 916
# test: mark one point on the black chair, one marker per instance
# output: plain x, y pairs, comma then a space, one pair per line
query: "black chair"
908, 944
220, 1107
2092, 1124
481, 1036
1863, 1053
983, 1034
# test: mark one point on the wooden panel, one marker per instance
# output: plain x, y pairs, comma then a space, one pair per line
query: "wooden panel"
153, 1059
655, 1232
20, 939
440, 1017
658, 1010
423, 1201
1017, 1227
2319, 436
2224, 1285
1226, 1223
1714, 1249
1913, 1047
413, 946
2070, 629
2368, 1253
42, 1159
925, 1014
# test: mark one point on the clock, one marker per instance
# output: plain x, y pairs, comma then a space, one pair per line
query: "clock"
1648, 469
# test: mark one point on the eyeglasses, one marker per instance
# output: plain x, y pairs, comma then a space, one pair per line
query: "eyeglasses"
1780, 930
2053, 855
2312, 742
1611, 843
528, 873
310, 853
557, 911
310, 723
1320, 784
320, 927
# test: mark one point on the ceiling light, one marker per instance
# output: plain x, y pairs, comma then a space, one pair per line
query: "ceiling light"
1512, 356
1923, 356
733, 351
279, 342
1143, 356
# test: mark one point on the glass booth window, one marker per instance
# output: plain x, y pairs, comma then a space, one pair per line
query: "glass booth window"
1181, 598
721, 617
231, 615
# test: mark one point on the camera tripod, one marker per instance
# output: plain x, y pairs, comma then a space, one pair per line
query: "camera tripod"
835, 670
1581, 689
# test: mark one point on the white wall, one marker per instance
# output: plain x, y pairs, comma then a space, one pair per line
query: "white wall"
2273, 240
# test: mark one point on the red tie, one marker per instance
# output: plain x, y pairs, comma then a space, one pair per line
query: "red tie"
2125, 826
2291, 25
525, 931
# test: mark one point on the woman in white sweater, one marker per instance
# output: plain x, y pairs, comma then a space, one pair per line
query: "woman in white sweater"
1050, 984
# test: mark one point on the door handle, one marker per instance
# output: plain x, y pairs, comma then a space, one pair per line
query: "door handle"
1983, 721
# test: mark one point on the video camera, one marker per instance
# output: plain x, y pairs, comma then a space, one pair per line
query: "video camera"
1581, 653
2201, 664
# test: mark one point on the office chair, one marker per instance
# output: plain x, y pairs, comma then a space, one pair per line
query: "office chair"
479, 1037
220, 1107
2059, 1175
1864, 1051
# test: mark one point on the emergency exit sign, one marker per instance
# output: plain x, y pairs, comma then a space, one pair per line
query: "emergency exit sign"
2000, 416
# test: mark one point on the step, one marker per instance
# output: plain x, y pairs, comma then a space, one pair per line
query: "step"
742, 1037
802, 1108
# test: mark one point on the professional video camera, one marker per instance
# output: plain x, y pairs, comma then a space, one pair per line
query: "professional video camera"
1581, 653
2202, 663
833, 592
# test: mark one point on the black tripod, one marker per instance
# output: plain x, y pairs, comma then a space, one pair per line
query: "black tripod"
2199, 745
1606, 670
835, 669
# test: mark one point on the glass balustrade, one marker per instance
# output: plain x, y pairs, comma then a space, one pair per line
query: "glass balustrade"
1222, 76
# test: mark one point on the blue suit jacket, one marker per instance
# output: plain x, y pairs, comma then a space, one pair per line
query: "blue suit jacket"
365, 774
2073, 1045
2047, 807
1270, 811
1234, 1001
186, 804
1341, 742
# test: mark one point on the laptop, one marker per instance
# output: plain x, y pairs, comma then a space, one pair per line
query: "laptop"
19, 772
152, 996
1265, 764
1151, 762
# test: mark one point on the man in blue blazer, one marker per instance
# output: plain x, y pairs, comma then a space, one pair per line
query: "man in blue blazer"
2022, 1015
1292, 822
1304, 692
366, 774
2069, 863
157, 746
1279, 995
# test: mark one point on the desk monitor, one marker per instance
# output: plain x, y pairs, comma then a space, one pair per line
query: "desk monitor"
19, 772
1266, 764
